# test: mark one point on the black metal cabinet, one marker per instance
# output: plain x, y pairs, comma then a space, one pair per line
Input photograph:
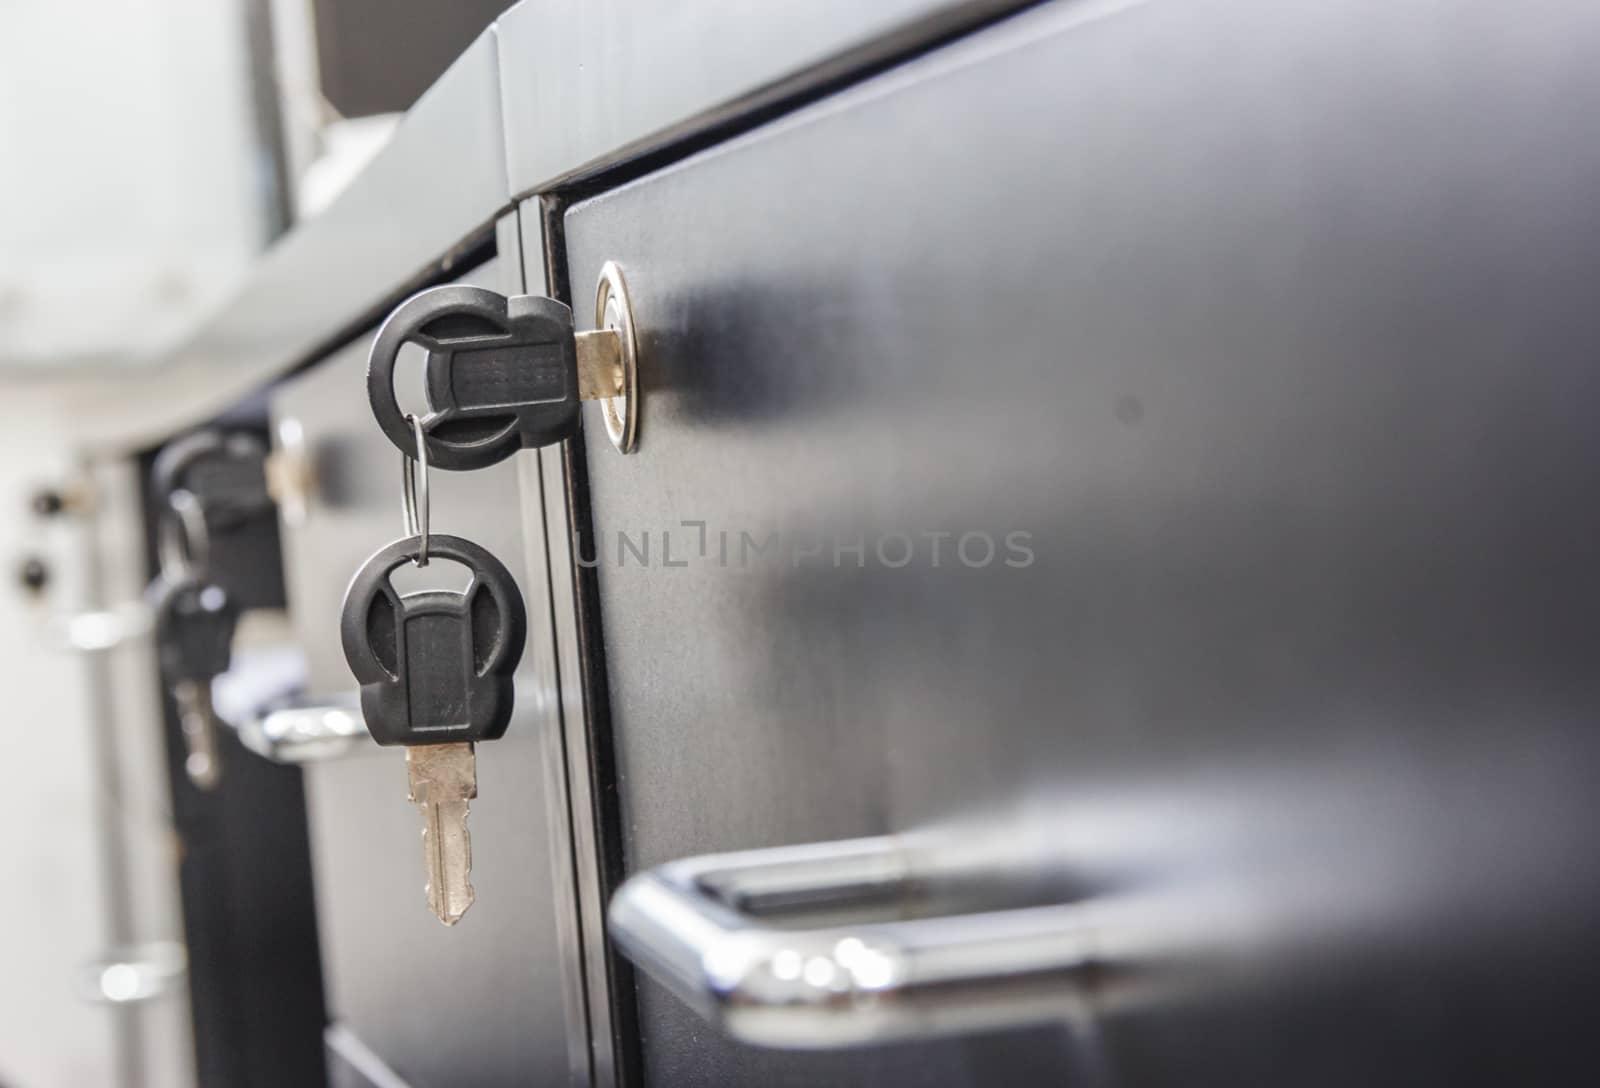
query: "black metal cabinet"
244, 874
480, 1003
1146, 448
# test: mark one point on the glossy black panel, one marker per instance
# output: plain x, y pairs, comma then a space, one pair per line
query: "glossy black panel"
244, 866
1272, 327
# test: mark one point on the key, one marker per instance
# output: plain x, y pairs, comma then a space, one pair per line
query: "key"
443, 779
224, 471
435, 671
502, 374
194, 624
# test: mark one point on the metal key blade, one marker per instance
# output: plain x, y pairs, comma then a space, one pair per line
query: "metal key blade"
198, 721
444, 777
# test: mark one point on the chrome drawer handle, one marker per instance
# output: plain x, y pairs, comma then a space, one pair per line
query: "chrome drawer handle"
305, 731
704, 928
104, 629
136, 972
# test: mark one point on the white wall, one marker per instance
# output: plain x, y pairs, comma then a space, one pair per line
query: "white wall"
52, 922
83, 777
128, 204
129, 207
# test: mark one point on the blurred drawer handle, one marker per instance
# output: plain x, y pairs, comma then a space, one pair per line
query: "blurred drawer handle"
93, 632
135, 973
306, 731
706, 929
291, 474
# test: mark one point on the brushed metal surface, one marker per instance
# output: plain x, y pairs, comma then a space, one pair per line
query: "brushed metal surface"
591, 84
554, 658
1272, 325
479, 1004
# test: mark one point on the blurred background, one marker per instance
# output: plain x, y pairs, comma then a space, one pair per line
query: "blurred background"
180, 138
1296, 413
149, 150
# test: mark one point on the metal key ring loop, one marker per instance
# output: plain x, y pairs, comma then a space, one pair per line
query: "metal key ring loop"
183, 543
414, 495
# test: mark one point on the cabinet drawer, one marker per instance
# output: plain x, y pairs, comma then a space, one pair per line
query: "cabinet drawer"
479, 1004
1174, 489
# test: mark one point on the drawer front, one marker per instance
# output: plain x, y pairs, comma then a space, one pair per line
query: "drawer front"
478, 1004
353, 502
1178, 491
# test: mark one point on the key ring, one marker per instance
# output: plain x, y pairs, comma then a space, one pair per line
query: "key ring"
414, 505
183, 544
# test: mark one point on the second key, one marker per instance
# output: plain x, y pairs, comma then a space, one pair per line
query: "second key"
435, 670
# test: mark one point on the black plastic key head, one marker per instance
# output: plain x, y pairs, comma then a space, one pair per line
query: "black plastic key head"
501, 374
225, 471
194, 626
434, 667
